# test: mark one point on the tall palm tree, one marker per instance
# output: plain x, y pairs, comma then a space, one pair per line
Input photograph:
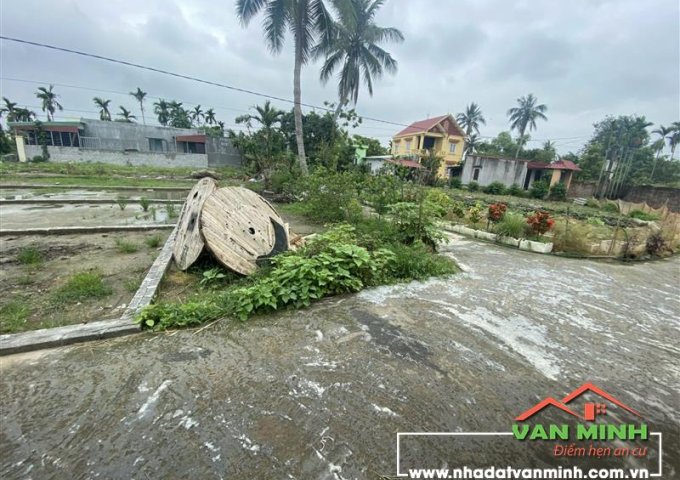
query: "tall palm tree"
125, 115
209, 116
658, 145
472, 143
50, 104
140, 96
674, 137
471, 119
524, 116
267, 116
197, 114
10, 108
304, 19
353, 47
103, 105
23, 115
162, 109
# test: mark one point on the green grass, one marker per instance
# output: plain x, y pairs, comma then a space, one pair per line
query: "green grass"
29, 256
296, 208
154, 241
641, 215
82, 286
13, 316
132, 284
123, 246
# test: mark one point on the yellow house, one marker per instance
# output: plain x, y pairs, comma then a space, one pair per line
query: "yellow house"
441, 134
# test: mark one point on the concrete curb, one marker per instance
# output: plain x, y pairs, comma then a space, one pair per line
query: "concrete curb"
98, 229
522, 244
60, 336
23, 186
84, 201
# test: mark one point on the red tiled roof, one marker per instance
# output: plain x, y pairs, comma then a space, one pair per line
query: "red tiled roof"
425, 126
405, 163
558, 165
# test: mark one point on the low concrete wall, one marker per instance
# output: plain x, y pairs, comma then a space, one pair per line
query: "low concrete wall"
152, 159
655, 197
581, 189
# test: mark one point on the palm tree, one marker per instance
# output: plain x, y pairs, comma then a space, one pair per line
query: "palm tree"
304, 19
10, 108
49, 101
524, 116
267, 116
674, 137
23, 115
472, 143
103, 105
471, 119
353, 48
659, 144
125, 115
140, 96
209, 116
162, 109
197, 114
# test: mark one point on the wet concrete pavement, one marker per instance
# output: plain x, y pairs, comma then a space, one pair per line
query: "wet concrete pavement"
322, 393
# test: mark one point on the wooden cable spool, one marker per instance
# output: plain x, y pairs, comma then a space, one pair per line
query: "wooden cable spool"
240, 227
189, 242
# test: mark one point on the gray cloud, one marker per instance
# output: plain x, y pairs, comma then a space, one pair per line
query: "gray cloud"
583, 59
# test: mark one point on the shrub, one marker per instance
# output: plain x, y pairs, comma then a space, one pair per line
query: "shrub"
145, 203
656, 244
539, 189
440, 202
122, 201
598, 222
382, 191
592, 203
515, 190
540, 222
29, 256
417, 262
38, 159
154, 241
82, 286
494, 188
123, 246
455, 182
283, 181
558, 192
512, 225
641, 215
457, 210
496, 212
212, 277
574, 240
475, 213
611, 207
415, 223
327, 193
473, 186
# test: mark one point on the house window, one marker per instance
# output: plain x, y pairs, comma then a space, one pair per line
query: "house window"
408, 146
396, 147
156, 144
475, 174
452, 148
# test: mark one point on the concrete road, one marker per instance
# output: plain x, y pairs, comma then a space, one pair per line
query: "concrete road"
322, 393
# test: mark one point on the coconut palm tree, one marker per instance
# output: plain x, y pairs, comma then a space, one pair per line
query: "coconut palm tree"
353, 48
267, 116
472, 143
659, 144
140, 96
10, 108
209, 116
524, 116
162, 109
23, 115
305, 19
103, 105
674, 137
125, 115
50, 104
471, 119
197, 115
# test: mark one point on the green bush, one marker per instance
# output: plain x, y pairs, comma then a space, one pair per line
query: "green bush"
122, 201
123, 246
39, 159
457, 210
153, 241
455, 182
611, 207
473, 186
381, 191
440, 202
328, 193
641, 215
82, 286
283, 181
598, 222
145, 203
415, 223
574, 240
558, 192
592, 203
475, 213
494, 188
512, 225
539, 189
515, 190
29, 256
417, 262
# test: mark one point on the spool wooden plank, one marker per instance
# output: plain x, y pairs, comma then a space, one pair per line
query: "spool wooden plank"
189, 243
236, 224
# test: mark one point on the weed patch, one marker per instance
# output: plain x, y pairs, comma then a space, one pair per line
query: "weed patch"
82, 286
13, 316
29, 256
123, 246
154, 241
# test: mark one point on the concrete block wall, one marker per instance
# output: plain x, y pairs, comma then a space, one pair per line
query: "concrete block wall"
152, 159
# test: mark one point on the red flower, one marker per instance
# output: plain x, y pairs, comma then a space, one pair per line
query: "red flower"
496, 212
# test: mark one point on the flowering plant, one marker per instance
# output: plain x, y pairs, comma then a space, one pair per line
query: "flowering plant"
540, 222
496, 212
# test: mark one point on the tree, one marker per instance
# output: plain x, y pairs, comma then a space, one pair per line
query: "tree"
103, 105
304, 19
674, 137
162, 109
140, 96
10, 108
125, 115
471, 119
373, 146
659, 144
353, 47
472, 143
210, 117
525, 115
197, 115
50, 104
179, 117
502, 145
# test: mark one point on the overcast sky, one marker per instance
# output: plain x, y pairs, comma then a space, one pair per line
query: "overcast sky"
584, 59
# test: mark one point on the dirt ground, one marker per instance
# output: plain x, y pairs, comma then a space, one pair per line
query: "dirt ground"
27, 290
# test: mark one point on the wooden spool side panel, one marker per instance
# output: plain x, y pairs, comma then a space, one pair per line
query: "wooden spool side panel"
236, 225
189, 243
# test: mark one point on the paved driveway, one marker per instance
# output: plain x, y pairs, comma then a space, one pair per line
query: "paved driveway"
320, 394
